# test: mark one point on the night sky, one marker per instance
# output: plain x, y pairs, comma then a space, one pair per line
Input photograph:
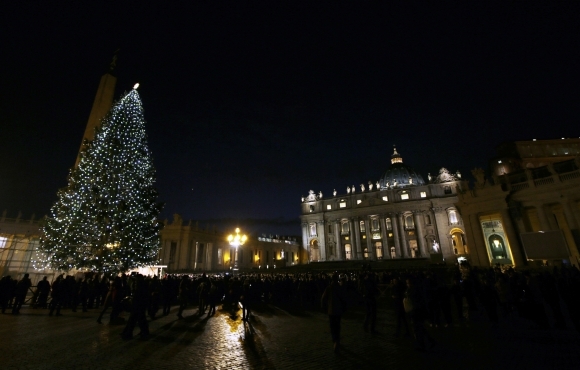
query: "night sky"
250, 106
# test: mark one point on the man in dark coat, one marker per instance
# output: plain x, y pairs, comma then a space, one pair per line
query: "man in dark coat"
5, 287
43, 289
57, 295
334, 302
140, 301
20, 293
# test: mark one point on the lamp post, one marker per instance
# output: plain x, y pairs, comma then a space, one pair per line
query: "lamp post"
236, 241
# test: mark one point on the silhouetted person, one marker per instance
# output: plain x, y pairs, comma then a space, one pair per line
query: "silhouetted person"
57, 295
369, 292
183, 293
212, 298
5, 287
43, 289
398, 294
334, 303
246, 300
140, 301
418, 314
20, 293
167, 293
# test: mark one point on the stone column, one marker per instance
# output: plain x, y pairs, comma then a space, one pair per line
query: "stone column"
403, 241
385, 237
420, 233
512, 236
476, 242
337, 234
370, 244
575, 233
544, 223
351, 239
356, 241
569, 213
395, 226
305, 240
441, 219
321, 240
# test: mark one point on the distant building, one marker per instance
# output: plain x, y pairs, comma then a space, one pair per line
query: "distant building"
398, 217
18, 241
189, 248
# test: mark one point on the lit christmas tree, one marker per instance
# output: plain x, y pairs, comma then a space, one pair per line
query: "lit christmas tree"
106, 219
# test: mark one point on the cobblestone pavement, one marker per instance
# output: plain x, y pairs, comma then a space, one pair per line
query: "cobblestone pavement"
274, 339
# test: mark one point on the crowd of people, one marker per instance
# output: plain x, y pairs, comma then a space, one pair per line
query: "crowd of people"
435, 297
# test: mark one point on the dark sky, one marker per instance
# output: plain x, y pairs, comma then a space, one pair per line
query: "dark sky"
249, 106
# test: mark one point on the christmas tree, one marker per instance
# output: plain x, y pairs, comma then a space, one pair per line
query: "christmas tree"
106, 219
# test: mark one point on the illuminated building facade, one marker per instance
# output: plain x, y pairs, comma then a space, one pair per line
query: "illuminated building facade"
399, 217
536, 190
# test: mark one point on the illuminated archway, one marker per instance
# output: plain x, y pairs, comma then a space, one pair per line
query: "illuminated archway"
458, 241
314, 250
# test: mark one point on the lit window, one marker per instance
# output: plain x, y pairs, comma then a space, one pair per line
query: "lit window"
453, 217
347, 251
362, 227
498, 161
312, 229
358, 201
328, 206
345, 228
389, 224
366, 253
385, 198
379, 247
375, 222
343, 205
3, 241
409, 224
404, 196
423, 194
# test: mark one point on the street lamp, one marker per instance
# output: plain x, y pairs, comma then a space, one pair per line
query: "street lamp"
236, 241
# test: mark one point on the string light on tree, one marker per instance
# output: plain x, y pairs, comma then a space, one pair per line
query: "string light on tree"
106, 219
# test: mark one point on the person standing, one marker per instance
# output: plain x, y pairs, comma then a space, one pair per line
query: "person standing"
183, 293
334, 303
140, 301
417, 310
398, 294
20, 293
43, 289
57, 295
5, 285
370, 292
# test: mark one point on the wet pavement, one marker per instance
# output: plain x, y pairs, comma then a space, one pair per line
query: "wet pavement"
275, 338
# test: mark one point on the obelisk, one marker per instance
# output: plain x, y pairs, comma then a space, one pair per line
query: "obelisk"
101, 105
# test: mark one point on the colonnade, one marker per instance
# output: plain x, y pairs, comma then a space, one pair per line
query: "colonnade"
358, 244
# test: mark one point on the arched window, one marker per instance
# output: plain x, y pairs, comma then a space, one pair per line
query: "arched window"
453, 217
347, 251
366, 253
363, 229
345, 229
312, 229
375, 223
409, 224
389, 223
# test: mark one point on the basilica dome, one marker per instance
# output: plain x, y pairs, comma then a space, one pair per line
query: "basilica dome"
399, 175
